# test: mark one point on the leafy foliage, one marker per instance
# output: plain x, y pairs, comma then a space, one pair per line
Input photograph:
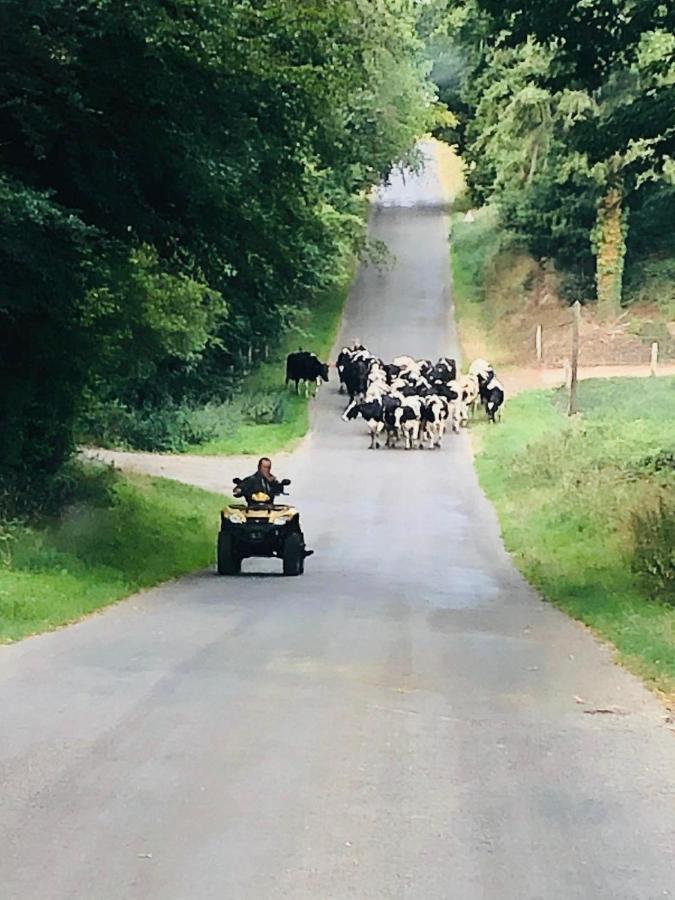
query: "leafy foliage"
654, 557
571, 117
176, 180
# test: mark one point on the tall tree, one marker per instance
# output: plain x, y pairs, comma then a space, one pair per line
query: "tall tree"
177, 177
571, 100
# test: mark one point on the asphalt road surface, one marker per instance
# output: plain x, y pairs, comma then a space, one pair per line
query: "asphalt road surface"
402, 722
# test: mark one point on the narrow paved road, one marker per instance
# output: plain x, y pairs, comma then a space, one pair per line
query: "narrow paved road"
399, 723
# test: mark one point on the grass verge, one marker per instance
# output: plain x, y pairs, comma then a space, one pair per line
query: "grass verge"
316, 330
118, 535
572, 497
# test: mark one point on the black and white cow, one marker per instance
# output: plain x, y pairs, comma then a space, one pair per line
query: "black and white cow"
372, 412
445, 370
435, 413
408, 421
307, 367
494, 393
343, 360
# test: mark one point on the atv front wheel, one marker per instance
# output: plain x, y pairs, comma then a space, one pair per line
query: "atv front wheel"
294, 555
229, 563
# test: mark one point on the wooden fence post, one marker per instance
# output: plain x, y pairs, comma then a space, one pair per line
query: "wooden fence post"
654, 358
573, 408
537, 342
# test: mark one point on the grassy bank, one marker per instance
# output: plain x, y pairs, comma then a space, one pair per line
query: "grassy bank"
578, 501
502, 294
256, 413
118, 534
473, 247
262, 393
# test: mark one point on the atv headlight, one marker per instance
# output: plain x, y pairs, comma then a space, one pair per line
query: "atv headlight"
236, 518
281, 520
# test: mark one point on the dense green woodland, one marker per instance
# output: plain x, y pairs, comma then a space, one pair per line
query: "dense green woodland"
566, 120
182, 180
177, 180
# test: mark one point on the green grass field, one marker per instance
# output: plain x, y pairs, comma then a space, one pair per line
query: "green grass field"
568, 493
120, 534
316, 332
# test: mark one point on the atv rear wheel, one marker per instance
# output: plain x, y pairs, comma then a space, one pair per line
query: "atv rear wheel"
294, 555
229, 563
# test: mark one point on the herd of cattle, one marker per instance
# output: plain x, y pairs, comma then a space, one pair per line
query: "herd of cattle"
409, 400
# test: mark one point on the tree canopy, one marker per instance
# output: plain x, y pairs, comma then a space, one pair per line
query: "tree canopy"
177, 176
571, 114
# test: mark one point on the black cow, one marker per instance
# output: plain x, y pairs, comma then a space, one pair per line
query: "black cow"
307, 367
356, 376
445, 370
392, 371
443, 389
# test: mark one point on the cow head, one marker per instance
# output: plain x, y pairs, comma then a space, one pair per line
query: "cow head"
323, 371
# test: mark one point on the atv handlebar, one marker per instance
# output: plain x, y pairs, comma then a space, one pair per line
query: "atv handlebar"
284, 482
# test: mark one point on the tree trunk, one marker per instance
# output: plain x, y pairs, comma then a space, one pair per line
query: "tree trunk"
610, 241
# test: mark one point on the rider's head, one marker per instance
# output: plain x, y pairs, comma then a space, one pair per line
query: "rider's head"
264, 465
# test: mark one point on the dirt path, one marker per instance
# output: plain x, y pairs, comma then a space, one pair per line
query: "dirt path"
212, 473
518, 380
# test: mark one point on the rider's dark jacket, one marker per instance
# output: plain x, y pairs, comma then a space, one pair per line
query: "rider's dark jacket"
257, 482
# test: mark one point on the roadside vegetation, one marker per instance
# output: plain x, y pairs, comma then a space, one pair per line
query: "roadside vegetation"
183, 189
565, 122
502, 293
265, 416
565, 119
587, 508
181, 185
113, 535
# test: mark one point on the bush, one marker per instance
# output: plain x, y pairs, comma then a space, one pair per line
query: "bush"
266, 409
169, 428
177, 427
654, 548
72, 484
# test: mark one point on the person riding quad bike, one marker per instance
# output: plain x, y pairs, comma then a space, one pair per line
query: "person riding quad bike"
261, 527
261, 482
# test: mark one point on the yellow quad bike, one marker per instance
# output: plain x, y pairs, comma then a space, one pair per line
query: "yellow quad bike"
260, 527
